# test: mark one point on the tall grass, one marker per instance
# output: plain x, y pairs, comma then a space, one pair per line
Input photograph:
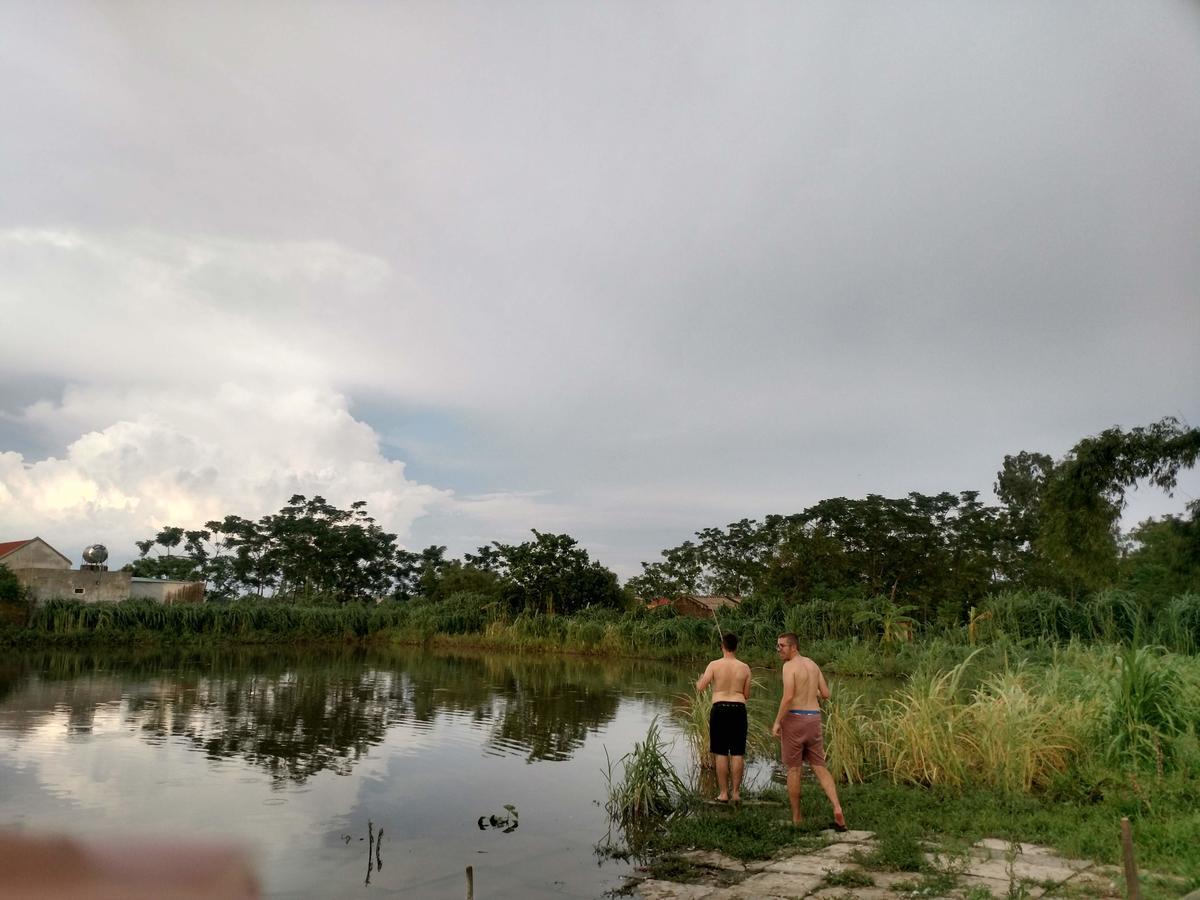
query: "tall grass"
262, 621
1015, 729
692, 712
1031, 621
919, 733
1020, 734
1147, 705
1177, 626
848, 736
648, 789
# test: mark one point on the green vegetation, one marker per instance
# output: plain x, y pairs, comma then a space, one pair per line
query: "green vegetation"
312, 552
648, 789
1053, 751
14, 607
848, 878
861, 581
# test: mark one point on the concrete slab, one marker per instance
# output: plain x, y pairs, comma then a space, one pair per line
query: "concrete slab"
1019, 868
848, 837
1094, 883
997, 886
857, 893
714, 858
653, 889
777, 884
806, 865
839, 851
1034, 854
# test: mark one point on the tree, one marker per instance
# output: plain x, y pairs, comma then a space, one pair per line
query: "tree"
1162, 557
309, 550
1085, 494
189, 567
14, 608
11, 590
553, 574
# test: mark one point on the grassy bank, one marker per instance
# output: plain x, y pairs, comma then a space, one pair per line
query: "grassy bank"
908, 819
1052, 752
853, 636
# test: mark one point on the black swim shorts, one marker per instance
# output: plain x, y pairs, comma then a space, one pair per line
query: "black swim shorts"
727, 729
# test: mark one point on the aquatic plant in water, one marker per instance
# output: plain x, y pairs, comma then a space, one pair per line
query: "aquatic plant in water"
648, 789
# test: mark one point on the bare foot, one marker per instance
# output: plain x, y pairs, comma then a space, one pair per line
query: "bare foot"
722, 799
839, 821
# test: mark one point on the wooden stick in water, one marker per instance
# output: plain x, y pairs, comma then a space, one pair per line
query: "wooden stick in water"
470, 883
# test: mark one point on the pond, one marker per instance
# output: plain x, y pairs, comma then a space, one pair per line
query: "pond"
303, 756
296, 755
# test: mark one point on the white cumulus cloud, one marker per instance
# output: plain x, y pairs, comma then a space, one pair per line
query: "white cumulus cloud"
184, 457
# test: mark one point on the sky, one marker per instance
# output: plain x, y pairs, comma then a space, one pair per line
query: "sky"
623, 270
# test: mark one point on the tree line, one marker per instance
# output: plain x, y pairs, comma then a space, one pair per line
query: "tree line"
312, 551
1056, 527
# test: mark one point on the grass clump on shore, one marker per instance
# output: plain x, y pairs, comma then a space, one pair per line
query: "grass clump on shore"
648, 790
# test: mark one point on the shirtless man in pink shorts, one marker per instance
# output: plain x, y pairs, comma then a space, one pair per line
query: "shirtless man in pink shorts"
798, 725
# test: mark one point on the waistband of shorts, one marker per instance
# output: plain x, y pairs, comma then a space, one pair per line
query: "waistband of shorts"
804, 712
737, 703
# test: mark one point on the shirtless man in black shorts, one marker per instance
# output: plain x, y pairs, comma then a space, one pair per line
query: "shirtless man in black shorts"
730, 680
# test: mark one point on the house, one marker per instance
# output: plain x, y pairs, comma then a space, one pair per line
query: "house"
703, 607
47, 574
33, 553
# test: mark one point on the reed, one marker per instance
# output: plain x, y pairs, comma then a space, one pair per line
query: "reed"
1147, 705
920, 731
692, 713
849, 732
1019, 737
1177, 627
648, 790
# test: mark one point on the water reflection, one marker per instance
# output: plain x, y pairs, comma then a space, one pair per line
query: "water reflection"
295, 714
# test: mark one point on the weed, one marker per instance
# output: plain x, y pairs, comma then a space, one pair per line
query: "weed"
649, 790
896, 851
848, 878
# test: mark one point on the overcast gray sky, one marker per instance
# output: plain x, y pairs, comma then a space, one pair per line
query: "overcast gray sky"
623, 270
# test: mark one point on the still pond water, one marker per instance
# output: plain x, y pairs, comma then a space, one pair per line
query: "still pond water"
292, 754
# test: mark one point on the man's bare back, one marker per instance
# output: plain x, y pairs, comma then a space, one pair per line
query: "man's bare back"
730, 680
807, 682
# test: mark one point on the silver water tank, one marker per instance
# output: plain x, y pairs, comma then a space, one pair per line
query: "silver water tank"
95, 554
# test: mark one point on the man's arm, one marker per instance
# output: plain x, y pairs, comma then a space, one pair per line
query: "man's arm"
785, 703
746, 684
706, 678
822, 687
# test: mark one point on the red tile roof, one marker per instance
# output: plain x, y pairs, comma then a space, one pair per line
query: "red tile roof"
9, 546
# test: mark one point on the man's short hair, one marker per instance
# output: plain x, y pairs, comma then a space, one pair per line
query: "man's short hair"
789, 637
729, 641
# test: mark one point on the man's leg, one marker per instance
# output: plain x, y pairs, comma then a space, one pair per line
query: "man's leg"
794, 793
738, 764
721, 764
826, 781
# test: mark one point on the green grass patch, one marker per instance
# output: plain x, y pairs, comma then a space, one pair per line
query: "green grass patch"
751, 832
848, 878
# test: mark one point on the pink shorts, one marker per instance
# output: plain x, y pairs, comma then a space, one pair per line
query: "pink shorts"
803, 740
